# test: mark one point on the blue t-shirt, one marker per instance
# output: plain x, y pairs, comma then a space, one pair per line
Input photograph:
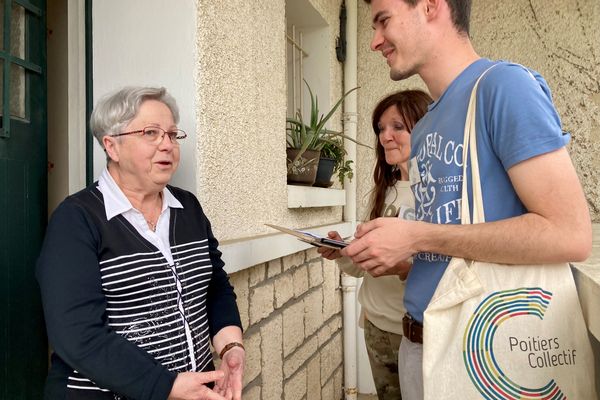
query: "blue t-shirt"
515, 121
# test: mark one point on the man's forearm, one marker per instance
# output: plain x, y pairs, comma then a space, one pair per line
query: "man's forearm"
526, 239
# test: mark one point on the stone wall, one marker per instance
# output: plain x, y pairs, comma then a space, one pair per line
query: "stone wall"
291, 313
290, 307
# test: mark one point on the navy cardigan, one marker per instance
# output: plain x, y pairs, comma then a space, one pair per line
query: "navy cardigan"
122, 321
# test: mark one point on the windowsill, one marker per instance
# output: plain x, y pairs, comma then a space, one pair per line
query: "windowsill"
244, 253
587, 279
308, 196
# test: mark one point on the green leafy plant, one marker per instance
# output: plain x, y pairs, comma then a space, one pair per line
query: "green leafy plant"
335, 151
314, 136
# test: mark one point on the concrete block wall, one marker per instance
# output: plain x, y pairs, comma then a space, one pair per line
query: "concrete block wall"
291, 310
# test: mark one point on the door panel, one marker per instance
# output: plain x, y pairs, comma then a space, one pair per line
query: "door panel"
23, 197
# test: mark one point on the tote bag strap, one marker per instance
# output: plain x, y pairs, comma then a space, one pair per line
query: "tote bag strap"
470, 143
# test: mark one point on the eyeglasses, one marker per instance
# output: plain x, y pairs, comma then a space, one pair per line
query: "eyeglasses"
155, 134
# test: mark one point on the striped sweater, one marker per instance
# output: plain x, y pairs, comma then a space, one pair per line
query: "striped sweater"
121, 320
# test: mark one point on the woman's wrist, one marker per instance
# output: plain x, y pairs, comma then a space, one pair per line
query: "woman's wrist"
230, 346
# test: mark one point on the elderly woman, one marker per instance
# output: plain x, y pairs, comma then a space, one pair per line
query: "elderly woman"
132, 282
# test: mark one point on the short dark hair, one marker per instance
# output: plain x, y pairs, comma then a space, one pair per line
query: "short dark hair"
460, 11
461, 14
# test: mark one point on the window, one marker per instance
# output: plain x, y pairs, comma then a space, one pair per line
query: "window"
295, 55
18, 59
307, 54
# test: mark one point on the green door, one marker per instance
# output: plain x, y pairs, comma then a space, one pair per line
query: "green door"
23, 196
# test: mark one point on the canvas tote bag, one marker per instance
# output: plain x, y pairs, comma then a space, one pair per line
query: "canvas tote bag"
494, 331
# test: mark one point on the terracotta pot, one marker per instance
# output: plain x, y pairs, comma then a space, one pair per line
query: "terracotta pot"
324, 172
303, 171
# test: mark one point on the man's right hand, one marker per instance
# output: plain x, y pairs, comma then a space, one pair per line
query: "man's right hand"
328, 252
383, 245
192, 386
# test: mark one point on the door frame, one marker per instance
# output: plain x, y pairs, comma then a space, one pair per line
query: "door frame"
74, 108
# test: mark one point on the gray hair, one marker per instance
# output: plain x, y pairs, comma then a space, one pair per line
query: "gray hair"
115, 110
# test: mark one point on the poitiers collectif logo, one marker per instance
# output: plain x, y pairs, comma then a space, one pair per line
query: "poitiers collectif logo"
478, 353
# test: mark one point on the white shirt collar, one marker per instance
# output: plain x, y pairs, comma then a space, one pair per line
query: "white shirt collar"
115, 201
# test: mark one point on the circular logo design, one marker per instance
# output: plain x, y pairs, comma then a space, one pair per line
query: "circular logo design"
478, 352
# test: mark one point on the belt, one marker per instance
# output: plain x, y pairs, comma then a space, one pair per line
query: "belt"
413, 329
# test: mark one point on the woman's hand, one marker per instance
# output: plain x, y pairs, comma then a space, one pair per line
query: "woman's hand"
232, 366
191, 386
228, 344
327, 252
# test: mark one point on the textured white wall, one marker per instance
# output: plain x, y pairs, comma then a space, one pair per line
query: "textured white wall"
557, 38
561, 40
149, 43
241, 110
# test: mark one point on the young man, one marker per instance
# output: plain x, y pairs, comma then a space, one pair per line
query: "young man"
535, 208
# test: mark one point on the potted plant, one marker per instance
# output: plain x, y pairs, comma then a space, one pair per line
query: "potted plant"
305, 140
332, 161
